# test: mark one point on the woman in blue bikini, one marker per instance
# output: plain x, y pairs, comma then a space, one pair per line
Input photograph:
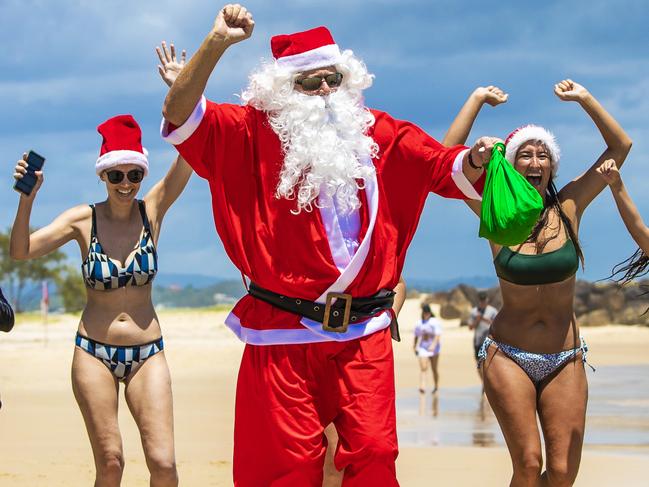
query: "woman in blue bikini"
119, 337
532, 361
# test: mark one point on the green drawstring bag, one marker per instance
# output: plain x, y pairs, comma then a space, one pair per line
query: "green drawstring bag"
510, 204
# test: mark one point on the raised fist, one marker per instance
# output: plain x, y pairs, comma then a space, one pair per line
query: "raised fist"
568, 90
233, 24
491, 95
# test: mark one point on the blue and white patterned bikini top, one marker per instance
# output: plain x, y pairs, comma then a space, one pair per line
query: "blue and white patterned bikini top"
100, 272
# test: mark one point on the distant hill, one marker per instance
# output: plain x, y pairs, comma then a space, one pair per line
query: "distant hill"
225, 292
434, 285
196, 290
164, 279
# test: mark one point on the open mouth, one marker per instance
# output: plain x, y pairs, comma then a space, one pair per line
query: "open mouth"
534, 179
125, 192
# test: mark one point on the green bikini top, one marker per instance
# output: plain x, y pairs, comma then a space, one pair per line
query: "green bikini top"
535, 269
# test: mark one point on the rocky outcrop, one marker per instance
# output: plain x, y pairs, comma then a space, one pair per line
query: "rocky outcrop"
596, 304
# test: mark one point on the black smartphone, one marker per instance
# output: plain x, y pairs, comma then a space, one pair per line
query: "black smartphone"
34, 163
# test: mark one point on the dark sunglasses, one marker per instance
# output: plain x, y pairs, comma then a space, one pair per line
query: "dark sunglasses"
315, 82
116, 177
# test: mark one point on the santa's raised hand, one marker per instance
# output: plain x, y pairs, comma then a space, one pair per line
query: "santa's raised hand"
568, 90
481, 150
233, 24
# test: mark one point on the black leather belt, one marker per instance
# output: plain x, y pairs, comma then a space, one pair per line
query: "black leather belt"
335, 315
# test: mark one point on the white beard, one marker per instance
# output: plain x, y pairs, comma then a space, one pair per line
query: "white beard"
326, 149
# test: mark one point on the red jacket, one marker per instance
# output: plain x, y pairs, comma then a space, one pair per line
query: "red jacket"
236, 150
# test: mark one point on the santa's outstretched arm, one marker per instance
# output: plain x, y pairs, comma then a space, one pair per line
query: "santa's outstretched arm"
475, 159
233, 24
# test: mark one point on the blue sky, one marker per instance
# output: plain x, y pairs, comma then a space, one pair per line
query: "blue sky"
71, 64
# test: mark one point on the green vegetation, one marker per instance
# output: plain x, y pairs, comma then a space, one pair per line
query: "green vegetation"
71, 289
17, 276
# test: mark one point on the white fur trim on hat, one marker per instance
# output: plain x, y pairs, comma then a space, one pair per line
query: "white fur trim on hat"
320, 57
534, 132
119, 157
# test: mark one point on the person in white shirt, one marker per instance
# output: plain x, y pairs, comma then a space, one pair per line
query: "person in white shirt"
427, 346
480, 321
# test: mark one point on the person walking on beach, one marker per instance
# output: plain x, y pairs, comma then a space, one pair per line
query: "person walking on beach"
427, 347
119, 337
480, 319
532, 361
316, 199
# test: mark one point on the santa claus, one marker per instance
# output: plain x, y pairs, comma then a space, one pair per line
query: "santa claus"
316, 199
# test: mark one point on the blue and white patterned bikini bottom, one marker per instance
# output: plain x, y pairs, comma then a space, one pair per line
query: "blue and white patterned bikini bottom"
120, 360
537, 366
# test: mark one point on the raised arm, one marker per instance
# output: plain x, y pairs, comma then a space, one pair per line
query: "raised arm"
459, 130
166, 191
23, 245
582, 190
608, 171
233, 24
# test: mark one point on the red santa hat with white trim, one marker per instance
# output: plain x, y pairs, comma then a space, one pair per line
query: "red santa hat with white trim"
122, 144
526, 133
304, 51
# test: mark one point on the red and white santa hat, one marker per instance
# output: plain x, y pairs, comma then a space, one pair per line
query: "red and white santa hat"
526, 133
303, 51
122, 144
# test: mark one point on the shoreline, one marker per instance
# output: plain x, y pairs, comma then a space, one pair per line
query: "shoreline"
45, 442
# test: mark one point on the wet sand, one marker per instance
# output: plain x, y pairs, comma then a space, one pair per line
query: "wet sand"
44, 442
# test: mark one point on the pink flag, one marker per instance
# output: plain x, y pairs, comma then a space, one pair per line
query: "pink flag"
45, 295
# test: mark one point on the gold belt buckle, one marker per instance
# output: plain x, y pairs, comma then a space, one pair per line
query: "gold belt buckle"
346, 312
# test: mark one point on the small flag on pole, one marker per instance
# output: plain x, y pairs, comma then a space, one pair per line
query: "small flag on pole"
45, 295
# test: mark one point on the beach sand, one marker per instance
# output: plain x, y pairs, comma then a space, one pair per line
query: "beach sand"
44, 443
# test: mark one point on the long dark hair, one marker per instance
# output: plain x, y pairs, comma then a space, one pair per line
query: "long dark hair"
552, 202
425, 309
635, 266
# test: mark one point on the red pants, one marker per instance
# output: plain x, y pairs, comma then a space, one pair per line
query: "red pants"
287, 394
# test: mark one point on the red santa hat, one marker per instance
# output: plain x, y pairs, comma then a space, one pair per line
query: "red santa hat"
303, 51
122, 144
533, 132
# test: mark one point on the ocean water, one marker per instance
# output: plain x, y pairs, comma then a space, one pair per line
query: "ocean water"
617, 417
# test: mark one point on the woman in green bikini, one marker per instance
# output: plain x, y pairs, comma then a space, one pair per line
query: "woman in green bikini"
532, 360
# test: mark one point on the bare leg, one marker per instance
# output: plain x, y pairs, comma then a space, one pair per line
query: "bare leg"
423, 368
562, 410
148, 395
332, 476
512, 396
433, 364
96, 391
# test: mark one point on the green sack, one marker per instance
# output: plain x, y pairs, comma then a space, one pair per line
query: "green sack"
510, 204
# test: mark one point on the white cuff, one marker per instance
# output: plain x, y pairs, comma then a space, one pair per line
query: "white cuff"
185, 131
460, 180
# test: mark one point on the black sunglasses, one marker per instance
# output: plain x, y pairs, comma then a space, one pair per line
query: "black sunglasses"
314, 83
116, 177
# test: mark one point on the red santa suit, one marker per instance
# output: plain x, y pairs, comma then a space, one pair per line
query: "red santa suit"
295, 378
